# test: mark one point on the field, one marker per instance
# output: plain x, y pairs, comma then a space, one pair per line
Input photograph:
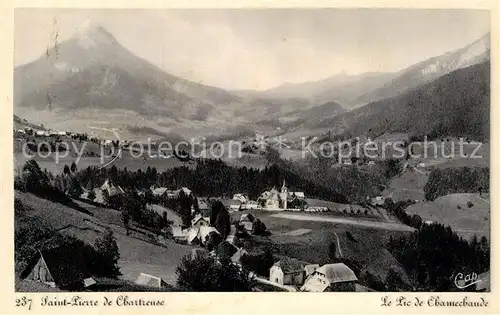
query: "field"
409, 185
136, 255
363, 246
453, 210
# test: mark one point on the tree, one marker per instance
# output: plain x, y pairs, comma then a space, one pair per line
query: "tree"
73, 167
185, 209
215, 208
126, 220
223, 223
332, 251
258, 227
259, 262
108, 255
75, 189
91, 195
207, 274
66, 170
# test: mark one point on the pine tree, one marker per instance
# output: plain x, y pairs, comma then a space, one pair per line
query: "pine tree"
108, 255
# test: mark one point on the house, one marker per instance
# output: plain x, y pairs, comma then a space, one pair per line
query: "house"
159, 191
240, 197
199, 235
202, 205
236, 258
377, 201
150, 281
199, 220
112, 190
309, 269
231, 204
274, 200
204, 232
287, 271
249, 205
371, 163
246, 220
192, 236
296, 195
60, 267
179, 235
331, 277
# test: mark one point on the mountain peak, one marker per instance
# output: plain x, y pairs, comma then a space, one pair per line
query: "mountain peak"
90, 34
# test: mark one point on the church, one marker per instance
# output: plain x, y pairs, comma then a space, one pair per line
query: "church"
278, 200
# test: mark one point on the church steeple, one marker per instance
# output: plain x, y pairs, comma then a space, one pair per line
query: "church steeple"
283, 188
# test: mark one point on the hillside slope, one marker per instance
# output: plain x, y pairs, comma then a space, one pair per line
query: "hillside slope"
456, 104
430, 69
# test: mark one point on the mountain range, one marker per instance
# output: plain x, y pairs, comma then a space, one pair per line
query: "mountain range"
91, 78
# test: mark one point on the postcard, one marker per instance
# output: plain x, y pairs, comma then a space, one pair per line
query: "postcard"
184, 159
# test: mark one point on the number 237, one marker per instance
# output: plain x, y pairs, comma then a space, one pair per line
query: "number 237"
22, 302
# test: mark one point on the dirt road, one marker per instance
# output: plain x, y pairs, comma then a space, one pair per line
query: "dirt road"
369, 224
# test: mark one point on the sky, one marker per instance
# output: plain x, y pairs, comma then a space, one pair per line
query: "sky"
262, 48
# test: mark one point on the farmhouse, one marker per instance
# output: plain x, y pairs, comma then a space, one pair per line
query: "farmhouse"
111, 189
199, 235
179, 235
287, 271
309, 269
60, 267
240, 197
150, 281
159, 191
331, 277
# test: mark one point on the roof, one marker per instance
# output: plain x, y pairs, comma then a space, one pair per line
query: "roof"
192, 234
159, 191
204, 230
230, 202
150, 281
225, 250
238, 254
178, 232
111, 188
202, 204
290, 265
311, 268
338, 272
197, 218
298, 194
247, 217
65, 264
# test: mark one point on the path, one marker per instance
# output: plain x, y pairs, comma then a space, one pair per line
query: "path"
369, 224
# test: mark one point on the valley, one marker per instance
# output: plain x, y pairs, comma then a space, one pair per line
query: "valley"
280, 187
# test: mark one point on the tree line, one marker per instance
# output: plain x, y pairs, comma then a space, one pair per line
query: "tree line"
457, 180
434, 254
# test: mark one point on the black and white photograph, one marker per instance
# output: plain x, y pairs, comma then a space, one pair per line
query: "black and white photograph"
252, 150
